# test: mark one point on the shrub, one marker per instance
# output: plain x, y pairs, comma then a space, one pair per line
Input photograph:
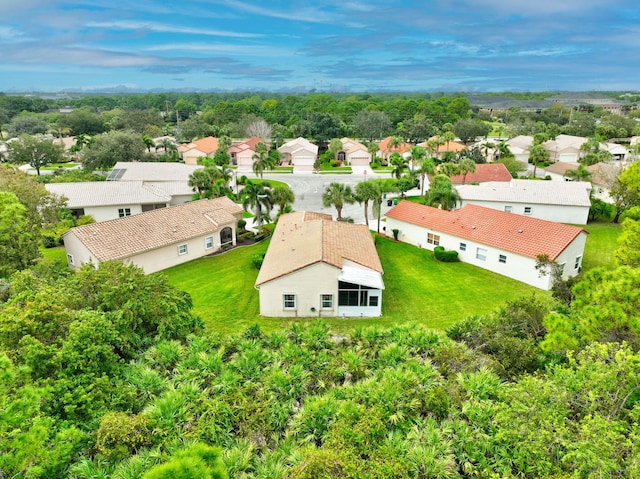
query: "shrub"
396, 233
335, 163
242, 224
445, 256
257, 260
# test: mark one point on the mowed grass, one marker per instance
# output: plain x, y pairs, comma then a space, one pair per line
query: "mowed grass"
601, 242
418, 289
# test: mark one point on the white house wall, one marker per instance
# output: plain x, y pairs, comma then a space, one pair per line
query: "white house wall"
307, 284
577, 215
105, 213
518, 267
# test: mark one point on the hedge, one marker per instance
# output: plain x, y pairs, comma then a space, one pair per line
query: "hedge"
445, 256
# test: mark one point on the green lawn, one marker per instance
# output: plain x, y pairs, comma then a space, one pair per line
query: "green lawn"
601, 242
418, 289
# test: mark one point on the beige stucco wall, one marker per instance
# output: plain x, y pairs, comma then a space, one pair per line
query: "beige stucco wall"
78, 251
308, 284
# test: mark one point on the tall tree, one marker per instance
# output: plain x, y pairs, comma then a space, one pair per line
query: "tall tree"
338, 194
282, 196
18, 244
256, 196
261, 159
465, 166
37, 152
442, 194
105, 150
200, 180
399, 164
371, 124
425, 167
628, 250
367, 191
626, 190
537, 154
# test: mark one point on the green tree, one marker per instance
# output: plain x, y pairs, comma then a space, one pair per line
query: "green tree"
26, 125
200, 180
337, 195
34, 151
626, 190
198, 461
282, 196
441, 193
18, 245
371, 124
628, 250
261, 159
537, 154
367, 191
83, 122
417, 128
385, 185
581, 174
256, 196
468, 130
399, 164
105, 150
425, 167
465, 166
148, 142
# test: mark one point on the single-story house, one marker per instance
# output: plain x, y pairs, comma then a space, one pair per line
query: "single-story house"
315, 266
385, 151
563, 202
157, 239
519, 147
108, 200
300, 153
558, 171
241, 153
190, 152
354, 153
501, 242
484, 172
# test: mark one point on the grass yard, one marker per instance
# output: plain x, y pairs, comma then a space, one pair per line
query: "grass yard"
601, 242
418, 289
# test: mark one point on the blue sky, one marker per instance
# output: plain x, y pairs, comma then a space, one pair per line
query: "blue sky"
332, 45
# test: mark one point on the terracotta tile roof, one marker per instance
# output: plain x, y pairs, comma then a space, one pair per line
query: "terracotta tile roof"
249, 144
485, 172
206, 145
108, 193
125, 237
515, 233
304, 238
384, 146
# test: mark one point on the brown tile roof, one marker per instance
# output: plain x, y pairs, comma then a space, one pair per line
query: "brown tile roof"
304, 238
206, 145
560, 167
125, 237
384, 146
507, 231
484, 172
249, 144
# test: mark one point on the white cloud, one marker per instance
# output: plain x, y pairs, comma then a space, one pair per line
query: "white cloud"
157, 27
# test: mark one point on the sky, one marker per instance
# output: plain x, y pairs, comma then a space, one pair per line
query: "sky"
330, 45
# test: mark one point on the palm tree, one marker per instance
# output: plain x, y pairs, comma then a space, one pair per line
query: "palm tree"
261, 159
148, 142
399, 164
537, 154
417, 155
427, 167
395, 142
255, 196
200, 180
442, 194
448, 169
337, 194
282, 195
465, 166
367, 191
581, 174
447, 137
385, 185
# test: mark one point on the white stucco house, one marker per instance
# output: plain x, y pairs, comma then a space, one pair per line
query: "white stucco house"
559, 201
108, 200
519, 147
315, 266
300, 153
354, 154
158, 239
501, 242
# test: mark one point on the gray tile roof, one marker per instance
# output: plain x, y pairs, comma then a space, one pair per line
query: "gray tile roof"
568, 193
131, 235
152, 171
108, 193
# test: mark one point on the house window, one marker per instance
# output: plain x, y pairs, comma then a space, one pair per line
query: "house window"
373, 301
182, 249
481, 254
208, 242
122, 212
527, 210
326, 301
578, 262
226, 235
289, 301
70, 259
463, 247
508, 209
502, 258
561, 269
350, 294
433, 239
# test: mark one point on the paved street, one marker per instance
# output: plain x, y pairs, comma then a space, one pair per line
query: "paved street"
308, 190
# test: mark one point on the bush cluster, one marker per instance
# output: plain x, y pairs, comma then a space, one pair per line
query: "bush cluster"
445, 256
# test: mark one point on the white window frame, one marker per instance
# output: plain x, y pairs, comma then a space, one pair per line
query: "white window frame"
578, 262
433, 239
502, 258
183, 249
291, 299
463, 247
561, 269
124, 212
208, 242
326, 301
508, 208
377, 301
481, 254
528, 210
70, 259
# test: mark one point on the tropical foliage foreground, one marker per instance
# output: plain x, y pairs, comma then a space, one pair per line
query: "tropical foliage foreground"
107, 373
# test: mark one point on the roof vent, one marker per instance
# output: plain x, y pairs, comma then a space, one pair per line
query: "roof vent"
520, 231
175, 229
